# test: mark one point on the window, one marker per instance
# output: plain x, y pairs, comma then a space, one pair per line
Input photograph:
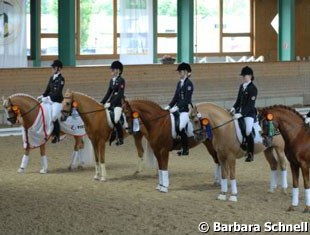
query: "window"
96, 27
222, 27
49, 27
167, 27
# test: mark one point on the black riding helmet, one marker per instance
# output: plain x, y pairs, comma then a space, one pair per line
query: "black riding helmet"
184, 66
57, 63
247, 71
117, 65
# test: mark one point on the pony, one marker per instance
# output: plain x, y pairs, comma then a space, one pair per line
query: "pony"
24, 108
296, 135
157, 123
98, 128
227, 147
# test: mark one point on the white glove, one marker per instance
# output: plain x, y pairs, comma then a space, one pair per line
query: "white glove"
39, 98
46, 100
174, 109
167, 107
307, 120
237, 115
107, 105
232, 111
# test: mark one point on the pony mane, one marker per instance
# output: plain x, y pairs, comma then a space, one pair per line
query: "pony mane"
83, 94
149, 102
280, 106
22, 94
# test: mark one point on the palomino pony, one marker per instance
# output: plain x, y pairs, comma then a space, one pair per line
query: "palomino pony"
296, 135
97, 128
25, 108
227, 146
157, 123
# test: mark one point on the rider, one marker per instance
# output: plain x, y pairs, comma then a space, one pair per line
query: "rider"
54, 91
114, 96
181, 101
245, 107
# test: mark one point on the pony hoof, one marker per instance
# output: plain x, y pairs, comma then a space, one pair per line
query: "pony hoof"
271, 190
21, 170
43, 171
96, 177
233, 198
291, 208
102, 179
307, 209
157, 187
216, 183
163, 189
221, 197
284, 191
136, 173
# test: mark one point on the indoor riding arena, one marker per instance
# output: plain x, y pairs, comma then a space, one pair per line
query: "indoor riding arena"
161, 54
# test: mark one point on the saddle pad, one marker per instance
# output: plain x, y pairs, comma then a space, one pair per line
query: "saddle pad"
257, 129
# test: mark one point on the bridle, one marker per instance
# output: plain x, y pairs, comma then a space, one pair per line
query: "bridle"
16, 111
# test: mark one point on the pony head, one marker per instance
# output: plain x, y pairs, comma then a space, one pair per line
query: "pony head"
12, 111
198, 123
129, 115
268, 125
67, 105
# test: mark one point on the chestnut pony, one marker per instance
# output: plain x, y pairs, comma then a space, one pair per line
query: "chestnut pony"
26, 107
157, 123
97, 128
296, 135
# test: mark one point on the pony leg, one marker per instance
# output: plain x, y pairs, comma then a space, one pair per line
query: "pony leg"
97, 166
305, 175
24, 163
224, 185
217, 175
283, 165
163, 174
233, 182
273, 167
295, 189
138, 143
74, 159
44, 161
102, 160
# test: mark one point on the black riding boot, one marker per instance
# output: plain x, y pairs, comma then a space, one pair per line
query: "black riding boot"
184, 151
56, 132
250, 148
119, 130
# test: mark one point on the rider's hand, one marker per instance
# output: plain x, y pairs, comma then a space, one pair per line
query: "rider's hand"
174, 109
237, 115
39, 98
232, 111
167, 107
107, 105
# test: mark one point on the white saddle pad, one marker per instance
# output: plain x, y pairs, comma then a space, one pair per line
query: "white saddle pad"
125, 125
42, 127
189, 129
257, 139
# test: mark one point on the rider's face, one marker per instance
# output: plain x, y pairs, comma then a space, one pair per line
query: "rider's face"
115, 72
182, 74
246, 78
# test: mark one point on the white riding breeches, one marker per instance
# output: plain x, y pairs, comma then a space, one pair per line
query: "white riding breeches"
249, 122
56, 111
117, 114
184, 119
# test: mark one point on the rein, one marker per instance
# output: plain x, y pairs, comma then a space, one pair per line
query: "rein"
30, 110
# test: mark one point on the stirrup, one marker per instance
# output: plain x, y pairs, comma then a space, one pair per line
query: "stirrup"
250, 157
119, 142
183, 152
55, 140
